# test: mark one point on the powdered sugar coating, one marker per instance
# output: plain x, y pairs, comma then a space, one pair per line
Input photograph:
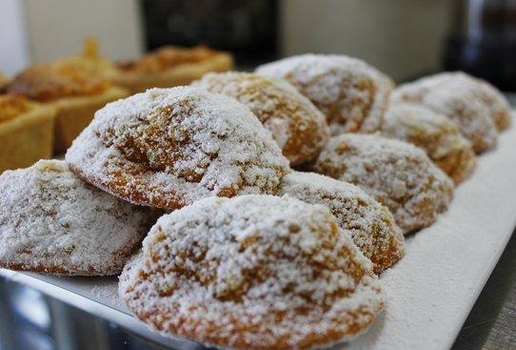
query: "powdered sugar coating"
352, 94
252, 272
369, 223
298, 127
395, 173
437, 134
51, 222
462, 99
170, 147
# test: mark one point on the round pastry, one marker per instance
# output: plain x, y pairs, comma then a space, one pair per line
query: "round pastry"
395, 173
369, 223
170, 147
439, 136
352, 94
476, 107
252, 272
51, 222
296, 125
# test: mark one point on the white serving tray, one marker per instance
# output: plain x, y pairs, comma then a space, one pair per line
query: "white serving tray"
430, 291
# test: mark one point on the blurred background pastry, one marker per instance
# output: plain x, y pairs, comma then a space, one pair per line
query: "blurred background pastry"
478, 109
26, 131
171, 66
75, 86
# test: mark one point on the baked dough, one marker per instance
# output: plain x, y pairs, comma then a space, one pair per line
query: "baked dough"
252, 272
171, 66
395, 173
51, 222
170, 147
437, 134
369, 223
474, 105
26, 131
298, 127
352, 94
73, 93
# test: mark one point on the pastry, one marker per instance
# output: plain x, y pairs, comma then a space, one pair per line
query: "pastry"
252, 272
369, 223
171, 66
439, 136
395, 173
75, 94
170, 147
3, 80
26, 131
475, 106
51, 222
90, 63
352, 94
295, 124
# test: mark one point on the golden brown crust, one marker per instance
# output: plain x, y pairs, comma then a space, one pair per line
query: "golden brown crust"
11, 106
167, 57
47, 83
3, 80
27, 137
168, 69
89, 62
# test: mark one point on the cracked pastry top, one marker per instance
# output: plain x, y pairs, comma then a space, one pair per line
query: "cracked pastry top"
170, 147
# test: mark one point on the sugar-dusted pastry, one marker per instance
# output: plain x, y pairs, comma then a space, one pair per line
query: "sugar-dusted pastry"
352, 94
170, 147
437, 134
171, 66
477, 107
51, 222
252, 272
74, 93
369, 223
395, 173
298, 127
26, 131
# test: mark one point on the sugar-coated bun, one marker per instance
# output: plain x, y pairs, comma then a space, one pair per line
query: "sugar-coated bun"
395, 173
51, 222
352, 94
252, 272
170, 147
298, 127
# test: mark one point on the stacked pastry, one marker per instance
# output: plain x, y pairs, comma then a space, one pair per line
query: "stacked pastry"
251, 254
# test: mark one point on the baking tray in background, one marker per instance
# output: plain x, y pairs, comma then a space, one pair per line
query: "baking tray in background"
430, 291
